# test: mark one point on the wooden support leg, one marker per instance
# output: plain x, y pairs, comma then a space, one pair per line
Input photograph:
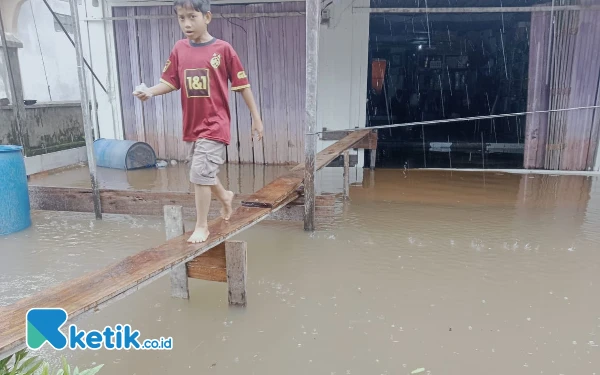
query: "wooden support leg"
174, 227
346, 174
373, 153
236, 258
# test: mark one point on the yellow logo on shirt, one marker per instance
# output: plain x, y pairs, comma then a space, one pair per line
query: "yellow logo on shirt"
242, 75
167, 65
215, 61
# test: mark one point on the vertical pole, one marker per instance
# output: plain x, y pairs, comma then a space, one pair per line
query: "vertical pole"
17, 100
85, 106
174, 228
313, 17
237, 269
346, 174
373, 154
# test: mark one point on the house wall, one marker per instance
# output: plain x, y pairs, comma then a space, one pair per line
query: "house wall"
342, 66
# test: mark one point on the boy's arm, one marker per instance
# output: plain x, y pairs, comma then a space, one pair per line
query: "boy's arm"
257, 125
144, 93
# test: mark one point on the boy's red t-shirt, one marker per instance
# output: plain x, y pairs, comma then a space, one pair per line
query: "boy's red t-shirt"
202, 72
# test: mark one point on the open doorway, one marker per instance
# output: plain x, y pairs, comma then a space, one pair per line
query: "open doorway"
425, 67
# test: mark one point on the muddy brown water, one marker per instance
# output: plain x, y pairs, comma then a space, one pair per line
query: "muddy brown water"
456, 273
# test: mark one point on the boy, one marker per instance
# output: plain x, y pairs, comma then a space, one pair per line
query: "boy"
200, 66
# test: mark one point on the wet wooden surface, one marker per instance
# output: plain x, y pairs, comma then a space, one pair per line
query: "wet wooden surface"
211, 265
96, 289
332, 152
138, 202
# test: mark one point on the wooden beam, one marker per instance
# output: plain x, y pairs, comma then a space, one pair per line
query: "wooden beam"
547, 8
346, 174
15, 85
210, 266
313, 18
138, 202
85, 106
237, 270
367, 143
330, 153
270, 195
174, 227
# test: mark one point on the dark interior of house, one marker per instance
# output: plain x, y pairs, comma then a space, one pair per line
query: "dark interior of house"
440, 66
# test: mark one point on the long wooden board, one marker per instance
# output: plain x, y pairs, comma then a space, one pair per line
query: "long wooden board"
330, 153
142, 202
97, 289
270, 195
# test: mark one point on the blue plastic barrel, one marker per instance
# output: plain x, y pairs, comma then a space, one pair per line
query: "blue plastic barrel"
15, 213
121, 154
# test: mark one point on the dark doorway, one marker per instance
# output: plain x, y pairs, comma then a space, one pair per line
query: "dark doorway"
434, 66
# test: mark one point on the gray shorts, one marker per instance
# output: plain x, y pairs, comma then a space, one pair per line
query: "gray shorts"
205, 157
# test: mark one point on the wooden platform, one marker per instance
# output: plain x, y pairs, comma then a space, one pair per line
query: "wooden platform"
97, 289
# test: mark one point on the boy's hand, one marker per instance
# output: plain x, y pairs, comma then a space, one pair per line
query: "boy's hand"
142, 92
257, 129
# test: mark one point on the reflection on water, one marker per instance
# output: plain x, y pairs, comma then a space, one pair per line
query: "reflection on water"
457, 273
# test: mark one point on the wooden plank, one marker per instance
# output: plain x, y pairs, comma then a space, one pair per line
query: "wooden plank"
95, 290
210, 266
158, 62
124, 67
243, 117
148, 73
237, 270
254, 73
585, 77
127, 202
272, 194
266, 84
367, 143
134, 74
536, 130
174, 227
330, 153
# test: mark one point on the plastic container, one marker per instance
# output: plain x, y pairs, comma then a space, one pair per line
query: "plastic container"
120, 154
15, 212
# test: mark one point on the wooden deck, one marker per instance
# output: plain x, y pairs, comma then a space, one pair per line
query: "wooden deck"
97, 289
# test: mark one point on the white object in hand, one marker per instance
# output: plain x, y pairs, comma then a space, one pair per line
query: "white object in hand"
143, 89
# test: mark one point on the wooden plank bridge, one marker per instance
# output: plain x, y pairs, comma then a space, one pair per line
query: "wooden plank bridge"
95, 290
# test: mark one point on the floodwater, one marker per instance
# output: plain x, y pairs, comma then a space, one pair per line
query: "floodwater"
453, 272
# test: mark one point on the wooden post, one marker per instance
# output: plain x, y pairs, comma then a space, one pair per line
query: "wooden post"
174, 228
15, 85
346, 174
373, 154
85, 106
237, 269
313, 17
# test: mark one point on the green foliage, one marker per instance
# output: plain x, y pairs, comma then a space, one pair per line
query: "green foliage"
33, 364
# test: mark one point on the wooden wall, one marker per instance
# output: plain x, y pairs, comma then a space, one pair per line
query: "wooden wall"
564, 73
272, 50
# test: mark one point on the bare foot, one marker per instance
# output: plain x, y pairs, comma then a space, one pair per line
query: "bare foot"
199, 235
227, 210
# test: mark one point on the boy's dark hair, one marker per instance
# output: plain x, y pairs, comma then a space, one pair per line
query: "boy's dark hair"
202, 6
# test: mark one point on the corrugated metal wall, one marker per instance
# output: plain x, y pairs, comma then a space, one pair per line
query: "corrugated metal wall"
564, 73
272, 50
